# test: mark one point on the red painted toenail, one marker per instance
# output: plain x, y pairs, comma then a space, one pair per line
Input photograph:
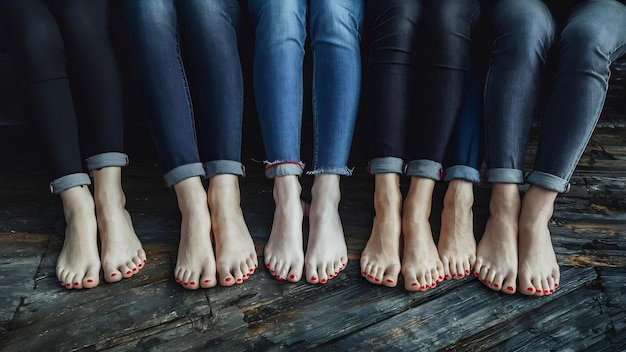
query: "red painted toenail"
447, 276
531, 289
414, 284
460, 275
496, 285
476, 274
267, 265
336, 273
145, 260
68, 284
510, 288
433, 284
484, 281
331, 276
272, 272
422, 287
76, 283
323, 281
207, 280
228, 279
251, 270
192, 283
140, 265
89, 280
440, 277
313, 278
370, 276
134, 269
556, 284
390, 281
467, 271
363, 273
376, 279
61, 282
551, 291
114, 274
240, 279
256, 266
129, 272
184, 283
545, 291
453, 275
427, 286
292, 276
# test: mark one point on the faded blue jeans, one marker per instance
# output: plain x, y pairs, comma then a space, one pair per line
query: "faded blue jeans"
281, 27
188, 73
593, 35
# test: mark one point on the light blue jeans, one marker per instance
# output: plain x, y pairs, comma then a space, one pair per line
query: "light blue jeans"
281, 27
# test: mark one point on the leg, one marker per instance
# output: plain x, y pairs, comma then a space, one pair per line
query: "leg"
523, 36
216, 82
96, 84
279, 53
594, 36
49, 108
457, 245
335, 41
167, 108
390, 92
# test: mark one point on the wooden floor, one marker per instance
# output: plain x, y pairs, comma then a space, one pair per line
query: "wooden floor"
152, 312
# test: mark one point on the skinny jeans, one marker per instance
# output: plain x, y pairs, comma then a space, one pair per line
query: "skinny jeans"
420, 52
188, 73
69, 83
581, 49
281, 28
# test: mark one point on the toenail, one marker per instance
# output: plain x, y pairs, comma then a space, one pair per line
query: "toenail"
414, 284
272, 272
292, 276
476, 274
390, 281
145, 260
531, 289
427, 286
510, 288
239, 280
256, 266
453, 275
140, 265
440, 277
129, 272
228, 279
467, 271
496, 285
313, 278
89, 280
324, 281
336, 273
207, 280
545, 291
484, 281
551, 291
460, 275
363, 273
76, 283
422, 287
192, 283
267, 265
114, 274
376, 279
370, 276
184, 283
251, 270
68, 284
447, 276
433, 284
61, 282
134, 269
556, 284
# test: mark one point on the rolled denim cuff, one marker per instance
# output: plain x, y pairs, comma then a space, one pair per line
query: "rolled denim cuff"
386, 165
283, 168
505, 176
68, 181
183, 172
462, 172
110, 159
425, 168
548, 181
221, 167
341, 171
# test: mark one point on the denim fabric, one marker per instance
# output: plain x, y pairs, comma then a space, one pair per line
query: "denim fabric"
63, 183
593, 36
103, 160
466, 148
68, 79
386, 165
523, 33
281, 29
436, 34
184, 52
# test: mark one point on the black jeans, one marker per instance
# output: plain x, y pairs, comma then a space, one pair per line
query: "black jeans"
68, 78
420, 53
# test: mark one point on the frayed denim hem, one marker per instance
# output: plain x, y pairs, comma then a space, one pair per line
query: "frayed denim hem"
341, 171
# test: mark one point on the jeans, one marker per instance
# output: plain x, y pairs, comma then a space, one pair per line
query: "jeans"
399, 74
593, 35
69, 84
188, 73
281, 28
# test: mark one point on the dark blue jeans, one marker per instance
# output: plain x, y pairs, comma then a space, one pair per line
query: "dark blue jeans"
593, 35
189, 78
69, 83
418, 46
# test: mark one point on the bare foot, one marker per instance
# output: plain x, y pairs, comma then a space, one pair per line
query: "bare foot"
496, 256
380, 260
284, 256
78, 265
234, 248
121, 254
326, 253
421, 267
195, 266
538, 269
457, 245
